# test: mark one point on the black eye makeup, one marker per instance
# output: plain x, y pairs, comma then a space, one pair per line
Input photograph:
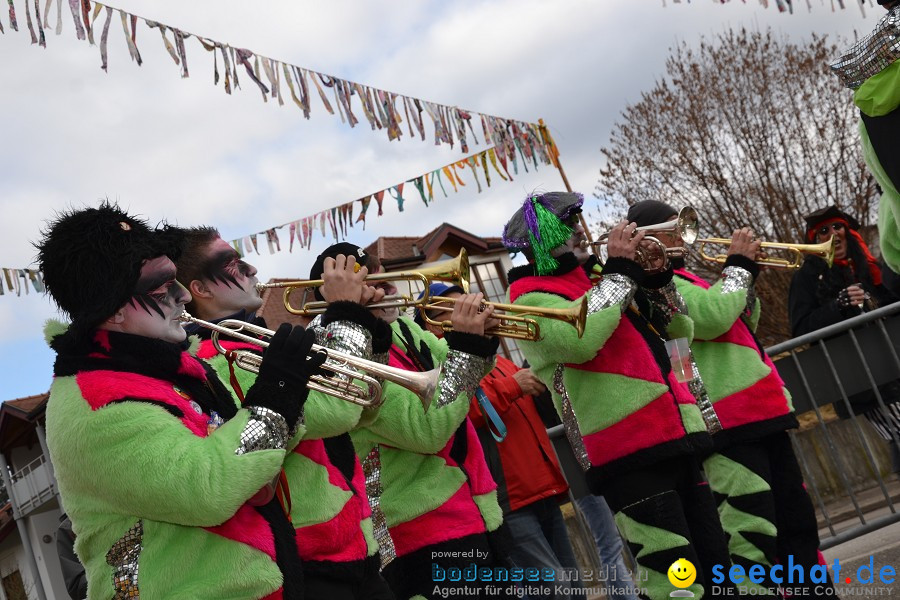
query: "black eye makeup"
226, 267
155, 290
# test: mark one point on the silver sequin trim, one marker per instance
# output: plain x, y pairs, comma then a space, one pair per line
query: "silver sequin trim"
265, 430
461, 374
349, 337
751, 302
570, 422
872, 54
371, 466
612, 289
698, 389
668, 300
735, 279
123, 558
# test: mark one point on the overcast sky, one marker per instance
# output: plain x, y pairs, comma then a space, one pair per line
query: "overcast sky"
181, 150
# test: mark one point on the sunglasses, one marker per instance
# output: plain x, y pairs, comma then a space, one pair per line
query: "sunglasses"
826, 229
572, 219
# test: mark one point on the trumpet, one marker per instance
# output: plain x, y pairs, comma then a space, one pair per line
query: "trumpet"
514, 321
684, 228
341, 365
455, 271
825, 251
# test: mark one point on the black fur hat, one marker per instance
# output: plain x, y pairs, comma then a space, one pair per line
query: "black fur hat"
91, 259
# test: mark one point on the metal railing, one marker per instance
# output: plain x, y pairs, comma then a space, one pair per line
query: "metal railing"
830, 366
32, 485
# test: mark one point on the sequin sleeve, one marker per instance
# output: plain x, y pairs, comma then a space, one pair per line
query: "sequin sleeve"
460, 376
265, 430
872, 54
614, 289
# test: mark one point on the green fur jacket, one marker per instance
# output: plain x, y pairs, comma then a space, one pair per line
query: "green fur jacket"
150, 476
424, 491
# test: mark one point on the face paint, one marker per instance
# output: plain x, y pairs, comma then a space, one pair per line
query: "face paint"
231, 281
158, 301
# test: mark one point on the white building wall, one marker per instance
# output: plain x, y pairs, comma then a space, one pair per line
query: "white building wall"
41, 525
12, 558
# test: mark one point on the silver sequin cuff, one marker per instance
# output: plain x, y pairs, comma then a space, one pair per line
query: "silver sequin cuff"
698, 389
570, 421
735, 279
668, 300
461, 374
612, 289
872, 54
371, 466
265, 430
123, 558
349, 337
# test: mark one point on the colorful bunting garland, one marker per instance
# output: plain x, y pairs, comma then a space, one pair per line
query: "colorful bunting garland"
381, 109
788, 5
337, 220
17, 281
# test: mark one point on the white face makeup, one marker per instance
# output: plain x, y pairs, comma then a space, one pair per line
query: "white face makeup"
230, 281
154, 309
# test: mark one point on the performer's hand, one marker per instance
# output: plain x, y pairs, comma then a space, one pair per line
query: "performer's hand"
623, 241
529, 383
342, 279
744, 243
852, 296
470, 314
371, 295
286, 367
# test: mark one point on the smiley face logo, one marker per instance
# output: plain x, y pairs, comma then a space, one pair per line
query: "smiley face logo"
682, 573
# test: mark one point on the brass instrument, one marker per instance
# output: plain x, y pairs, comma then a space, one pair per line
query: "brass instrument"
514, 321
340, 364
825, 251
454, 271
685, 228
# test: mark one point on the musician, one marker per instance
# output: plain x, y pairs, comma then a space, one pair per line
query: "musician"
872, 70
328, 504
520, 457
433, 499
155, 463
633, 426
774, 519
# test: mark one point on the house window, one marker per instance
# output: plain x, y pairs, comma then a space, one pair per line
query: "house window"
14, 587
490, 279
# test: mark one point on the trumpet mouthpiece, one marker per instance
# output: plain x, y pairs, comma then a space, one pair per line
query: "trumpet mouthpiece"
584, 245
260, 287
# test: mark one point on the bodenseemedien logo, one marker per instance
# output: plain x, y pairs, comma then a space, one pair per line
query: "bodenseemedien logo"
682, 574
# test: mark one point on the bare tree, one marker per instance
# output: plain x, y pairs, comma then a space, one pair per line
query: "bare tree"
750, 129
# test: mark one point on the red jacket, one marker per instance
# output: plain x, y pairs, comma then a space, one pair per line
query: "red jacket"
524, 464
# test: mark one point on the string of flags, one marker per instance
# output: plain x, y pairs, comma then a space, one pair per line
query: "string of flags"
788, 5
335, 222
17, 281
277, 80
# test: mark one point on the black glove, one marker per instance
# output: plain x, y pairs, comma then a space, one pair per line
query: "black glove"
286, 367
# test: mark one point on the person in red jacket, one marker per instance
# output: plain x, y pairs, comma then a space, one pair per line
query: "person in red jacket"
520, 456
